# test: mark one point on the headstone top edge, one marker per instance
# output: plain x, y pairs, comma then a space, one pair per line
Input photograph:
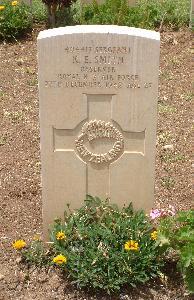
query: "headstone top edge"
106, 29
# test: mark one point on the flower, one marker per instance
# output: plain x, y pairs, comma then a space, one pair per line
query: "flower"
60, 259
2, 7
14, 3
19, 244
131, 245
155, 213
60, 235
154, 235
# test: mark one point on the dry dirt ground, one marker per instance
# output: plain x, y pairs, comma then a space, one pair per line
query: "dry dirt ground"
20, 203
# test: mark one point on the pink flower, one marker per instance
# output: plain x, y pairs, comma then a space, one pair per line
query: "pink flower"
155, 213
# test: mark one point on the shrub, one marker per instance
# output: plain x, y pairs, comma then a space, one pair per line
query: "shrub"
174, 13
148, 14
39, 11
177, 233
15, 19
105, 247
55, 7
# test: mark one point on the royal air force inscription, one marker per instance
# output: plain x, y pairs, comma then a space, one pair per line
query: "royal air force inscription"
97, 67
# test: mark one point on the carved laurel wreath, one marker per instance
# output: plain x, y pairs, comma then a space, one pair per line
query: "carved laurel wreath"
96, 129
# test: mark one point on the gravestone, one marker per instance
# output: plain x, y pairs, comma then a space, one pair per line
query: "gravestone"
98, 113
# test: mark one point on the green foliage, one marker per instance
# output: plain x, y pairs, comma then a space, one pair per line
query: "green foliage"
57, 8
37, 254
147, 14
178, 233
95, 246
39, 11
64, 17
168, 12
15, 20
111, 12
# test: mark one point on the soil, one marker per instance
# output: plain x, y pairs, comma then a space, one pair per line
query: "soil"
20, 197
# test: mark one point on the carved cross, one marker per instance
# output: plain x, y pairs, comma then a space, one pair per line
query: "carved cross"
99, 142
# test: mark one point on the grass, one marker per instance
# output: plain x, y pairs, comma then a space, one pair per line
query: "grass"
3, 140
32, 82
30, 71
189, 96
166, 109
172, 157
167, 182
1, 94
14, 116
166, 75
164, 138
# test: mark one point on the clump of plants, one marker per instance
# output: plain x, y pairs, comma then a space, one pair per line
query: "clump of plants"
176, 232
15, 19
55, 9
104, 248
39, 11
101, 247
148, 14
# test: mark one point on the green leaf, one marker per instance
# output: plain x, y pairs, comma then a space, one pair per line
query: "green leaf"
189, 278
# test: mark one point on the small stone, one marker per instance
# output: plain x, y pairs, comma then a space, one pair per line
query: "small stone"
124, 297
42, 278
168, 147
2, 276
18, 259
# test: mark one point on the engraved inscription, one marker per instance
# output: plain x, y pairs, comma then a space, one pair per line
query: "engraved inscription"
96, 68
97, 129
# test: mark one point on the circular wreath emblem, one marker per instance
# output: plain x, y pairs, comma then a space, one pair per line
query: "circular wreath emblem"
97, 129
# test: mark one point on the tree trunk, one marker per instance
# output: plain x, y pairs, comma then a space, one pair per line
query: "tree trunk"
51, 16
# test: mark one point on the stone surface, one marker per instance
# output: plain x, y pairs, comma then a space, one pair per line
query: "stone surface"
98, 113
168, 147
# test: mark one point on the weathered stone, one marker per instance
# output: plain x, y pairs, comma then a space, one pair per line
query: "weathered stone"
168, 147
98, 113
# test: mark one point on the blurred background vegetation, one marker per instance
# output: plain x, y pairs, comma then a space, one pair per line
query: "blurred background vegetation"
148, 14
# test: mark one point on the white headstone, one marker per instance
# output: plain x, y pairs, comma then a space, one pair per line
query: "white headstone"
98, 114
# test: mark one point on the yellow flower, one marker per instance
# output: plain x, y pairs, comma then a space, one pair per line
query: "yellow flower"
60, 259
131, 245
2, 7
154, 235
14, 3
19, 244
60, 235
